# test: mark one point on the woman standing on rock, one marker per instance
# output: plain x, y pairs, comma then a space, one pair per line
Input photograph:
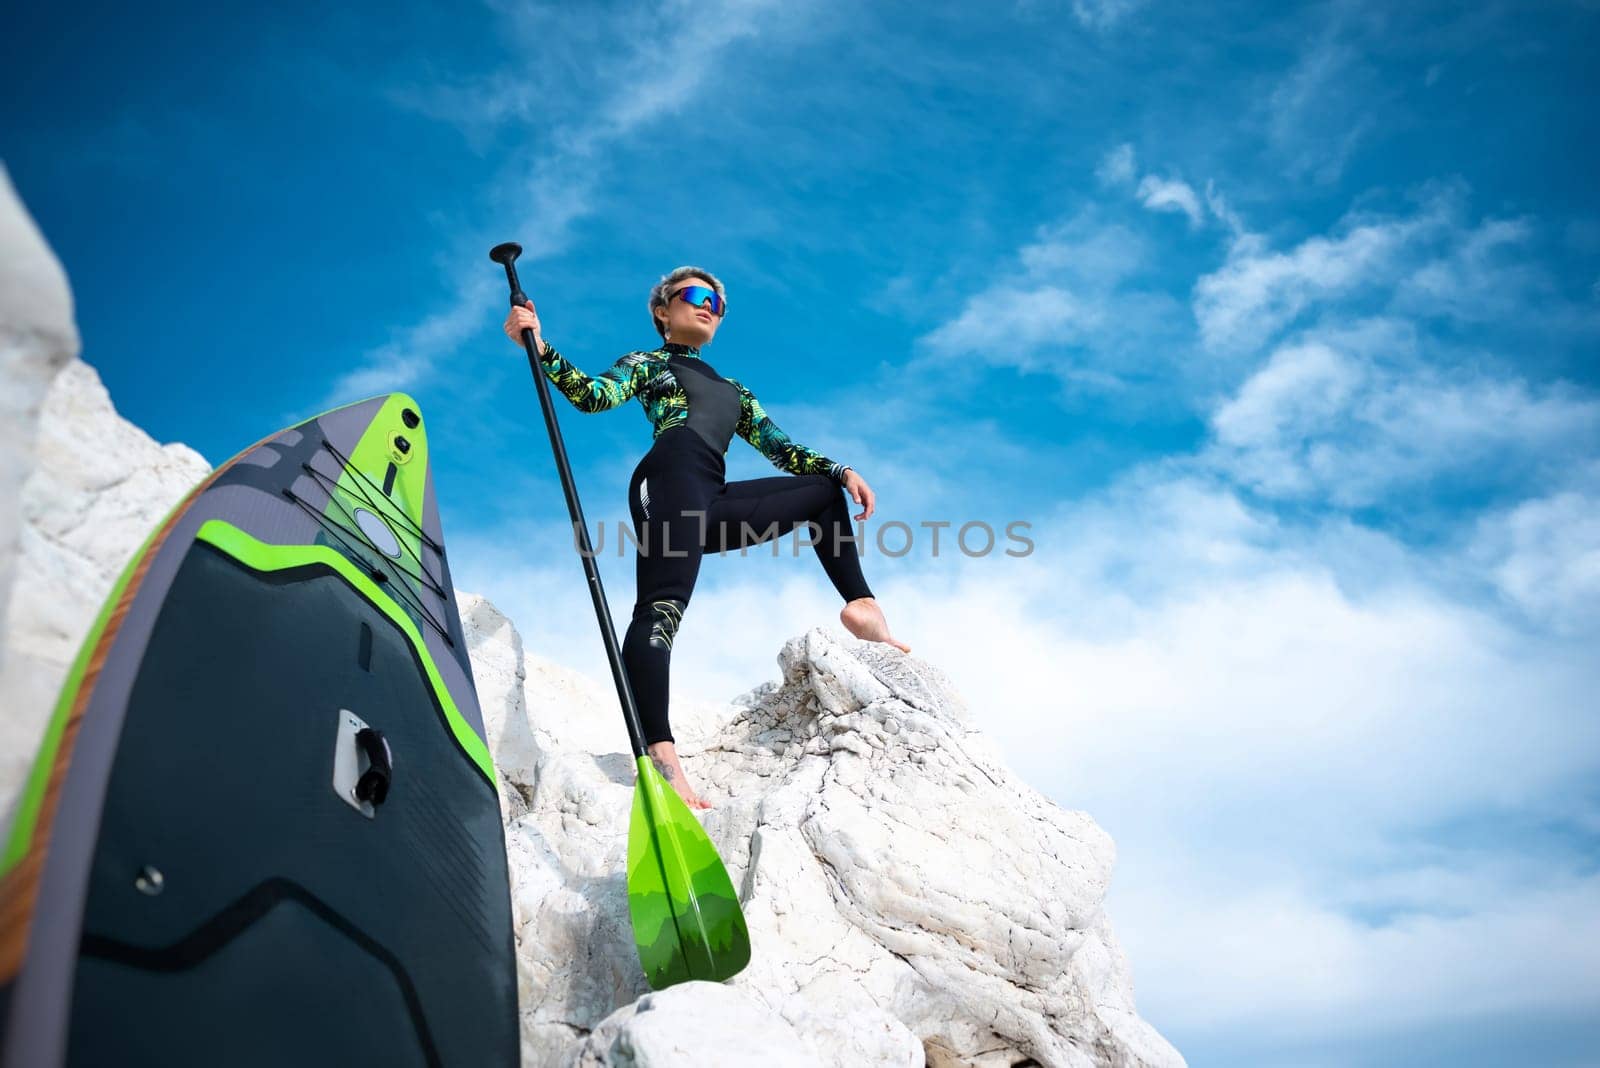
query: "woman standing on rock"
680, 502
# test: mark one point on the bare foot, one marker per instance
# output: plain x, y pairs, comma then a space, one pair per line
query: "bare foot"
664, 755
863, 618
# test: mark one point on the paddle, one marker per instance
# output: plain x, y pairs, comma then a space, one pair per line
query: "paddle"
687, 922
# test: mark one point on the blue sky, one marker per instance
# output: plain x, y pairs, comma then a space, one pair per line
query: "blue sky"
1278, 324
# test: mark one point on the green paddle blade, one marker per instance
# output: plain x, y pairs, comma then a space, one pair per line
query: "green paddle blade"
686, 916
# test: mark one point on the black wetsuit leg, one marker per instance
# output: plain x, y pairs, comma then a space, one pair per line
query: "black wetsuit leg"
755, 510
682, 508
668, 498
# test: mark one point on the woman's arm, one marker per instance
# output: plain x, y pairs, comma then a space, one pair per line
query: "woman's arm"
601, 392
597, 394
757, 427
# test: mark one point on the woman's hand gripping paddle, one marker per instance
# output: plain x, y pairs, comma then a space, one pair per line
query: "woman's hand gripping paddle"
686, 917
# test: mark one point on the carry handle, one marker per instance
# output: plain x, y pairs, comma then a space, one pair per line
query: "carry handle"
373, 786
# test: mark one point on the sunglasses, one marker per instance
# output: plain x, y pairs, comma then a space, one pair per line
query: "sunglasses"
702, 297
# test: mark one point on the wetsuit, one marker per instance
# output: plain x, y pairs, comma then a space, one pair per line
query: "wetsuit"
682, 506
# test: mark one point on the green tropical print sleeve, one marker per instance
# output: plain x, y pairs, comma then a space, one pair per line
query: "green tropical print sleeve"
601, 392
757, 427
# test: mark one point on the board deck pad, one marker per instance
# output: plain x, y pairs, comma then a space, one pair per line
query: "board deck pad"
182, 882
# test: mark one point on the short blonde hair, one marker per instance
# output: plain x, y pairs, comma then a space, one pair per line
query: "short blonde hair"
661, 292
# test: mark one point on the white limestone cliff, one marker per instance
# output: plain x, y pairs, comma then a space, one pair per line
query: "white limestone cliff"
37, 337
910, 901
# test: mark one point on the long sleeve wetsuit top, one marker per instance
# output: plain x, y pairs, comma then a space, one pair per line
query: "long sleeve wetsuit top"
683, 507
648, 378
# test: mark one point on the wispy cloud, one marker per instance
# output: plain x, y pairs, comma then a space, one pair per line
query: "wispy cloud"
653, 61
1017, 322
1118, 166
1433, 263
1171, 194
1069, 305
1543, 554
1223, 211
411, 355
1329, 420
1257, 291
1321, 110
1485, 275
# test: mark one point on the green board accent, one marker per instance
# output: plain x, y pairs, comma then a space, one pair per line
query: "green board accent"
401, 508
264, 557
375, 451
687, 922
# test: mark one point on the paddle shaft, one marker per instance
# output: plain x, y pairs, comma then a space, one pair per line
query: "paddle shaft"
506, 256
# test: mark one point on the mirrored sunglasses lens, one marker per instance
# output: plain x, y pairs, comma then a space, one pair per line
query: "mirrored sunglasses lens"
701, 297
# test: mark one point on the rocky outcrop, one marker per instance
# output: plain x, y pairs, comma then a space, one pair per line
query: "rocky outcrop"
98, 487
37, 338
910, 901
678, 1028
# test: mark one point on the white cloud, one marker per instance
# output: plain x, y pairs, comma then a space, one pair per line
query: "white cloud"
1263, 425
1083, 251
1219, 206
1171, 194
1328, 421
1015, 321
1283, 968
651, 90
608, 69
1321, 110
1544, 555
1267, 734
409, 358
1117, 167
1069, 306
1432, 263
1257, 292
1478, 279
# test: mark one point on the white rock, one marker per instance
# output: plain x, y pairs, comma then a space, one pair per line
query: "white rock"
96, 488
693, 1025
499, 672
907, 896
37, 337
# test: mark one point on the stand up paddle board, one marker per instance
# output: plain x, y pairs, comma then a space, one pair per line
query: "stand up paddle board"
263, 827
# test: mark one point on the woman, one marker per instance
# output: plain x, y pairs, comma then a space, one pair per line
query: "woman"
679, 500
